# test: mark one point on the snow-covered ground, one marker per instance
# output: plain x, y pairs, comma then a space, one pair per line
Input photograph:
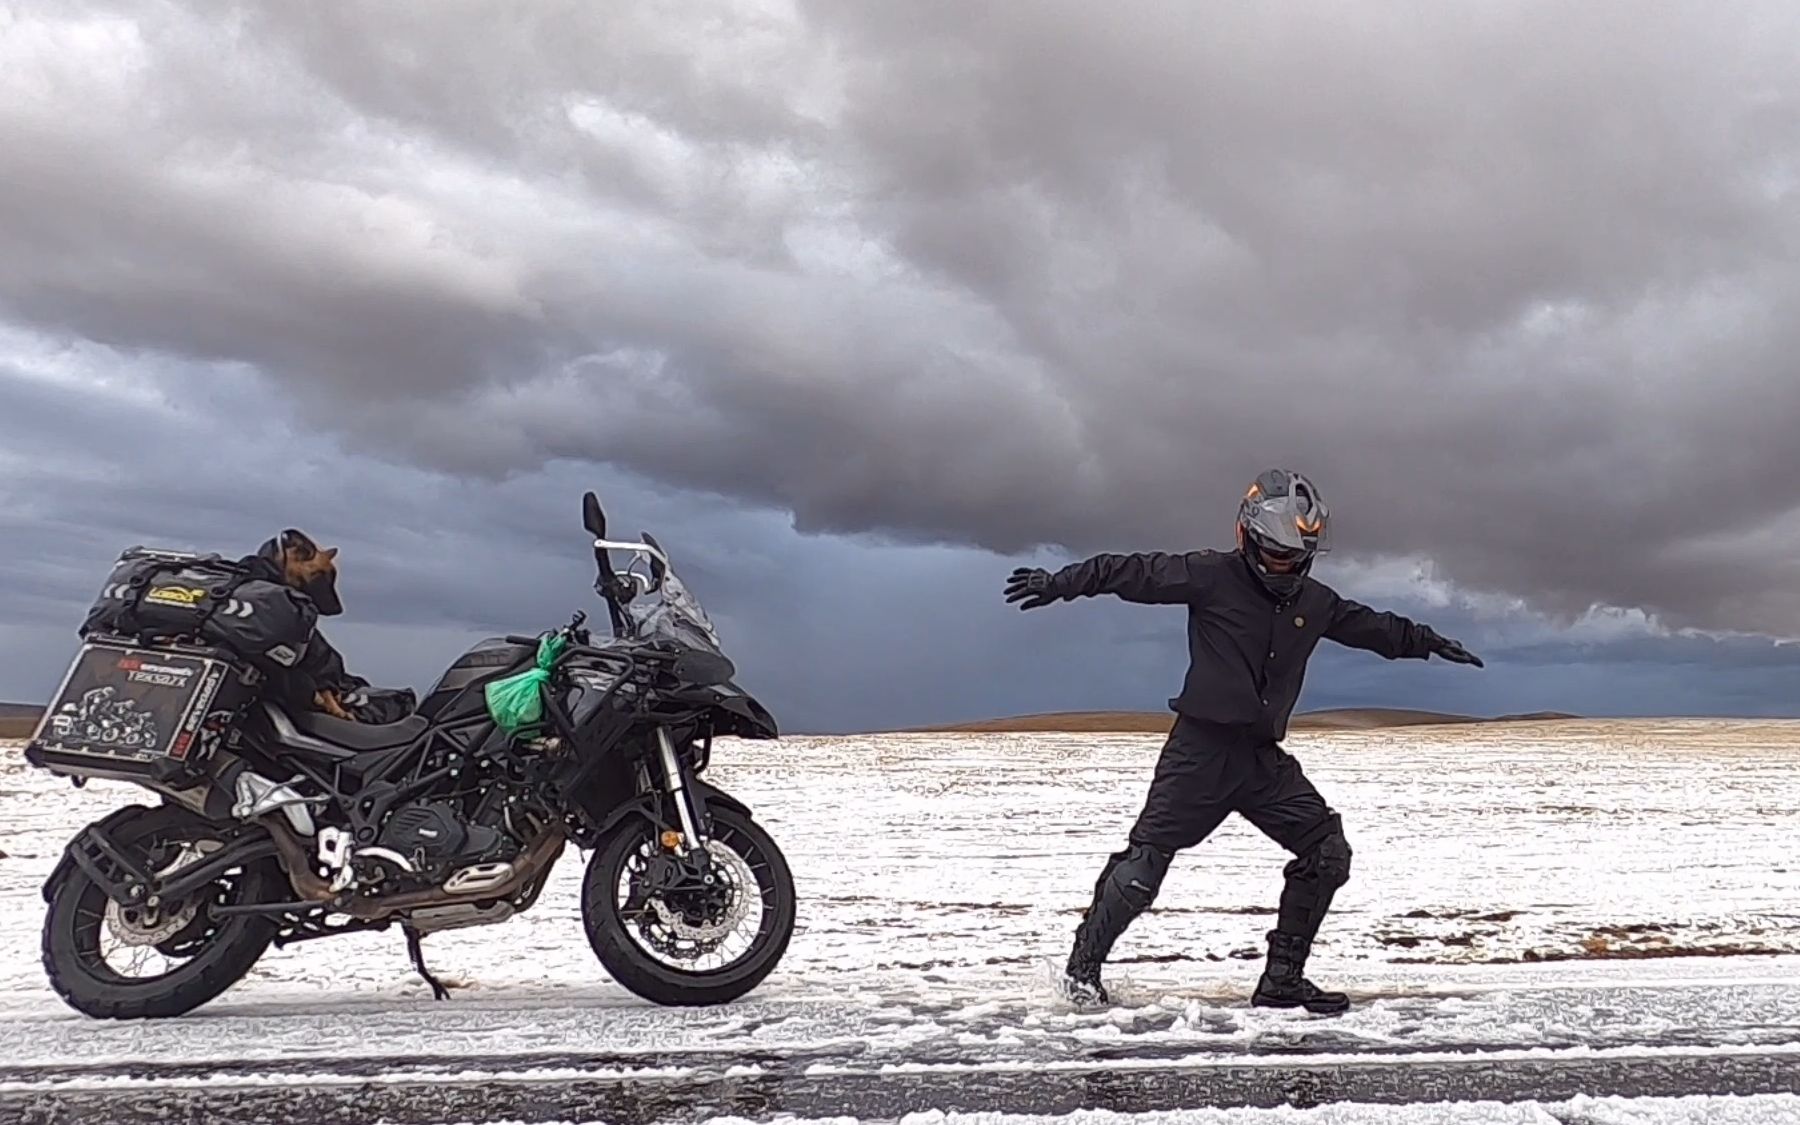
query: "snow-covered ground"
1531, 888
1771, 1110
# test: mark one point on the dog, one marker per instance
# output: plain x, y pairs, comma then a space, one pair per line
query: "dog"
328, 702
312, 570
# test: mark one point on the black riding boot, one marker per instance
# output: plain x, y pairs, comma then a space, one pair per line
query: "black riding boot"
1126, 888
1313, 879
1081, 977
1284, 983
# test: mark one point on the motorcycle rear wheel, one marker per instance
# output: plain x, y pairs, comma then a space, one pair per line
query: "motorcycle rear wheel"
215, 953
649, 948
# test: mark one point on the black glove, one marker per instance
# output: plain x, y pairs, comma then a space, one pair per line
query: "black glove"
1453, 651
1033, 586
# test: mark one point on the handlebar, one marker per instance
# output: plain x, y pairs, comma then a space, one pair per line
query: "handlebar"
639, 650
617, 588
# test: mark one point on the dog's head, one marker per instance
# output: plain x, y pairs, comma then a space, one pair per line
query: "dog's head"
310, 569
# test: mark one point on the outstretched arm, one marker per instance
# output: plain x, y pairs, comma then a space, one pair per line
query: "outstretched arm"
1355, 625
1153, 578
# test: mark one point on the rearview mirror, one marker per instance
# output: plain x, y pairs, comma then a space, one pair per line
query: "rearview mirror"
657, 569
592, 516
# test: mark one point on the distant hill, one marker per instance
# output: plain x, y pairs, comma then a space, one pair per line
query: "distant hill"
18, 720
1158, 722
1365, 718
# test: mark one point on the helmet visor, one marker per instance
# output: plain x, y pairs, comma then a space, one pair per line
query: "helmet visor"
1279, 554
1276, 555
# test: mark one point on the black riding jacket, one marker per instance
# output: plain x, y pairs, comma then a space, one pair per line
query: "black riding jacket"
1247, 650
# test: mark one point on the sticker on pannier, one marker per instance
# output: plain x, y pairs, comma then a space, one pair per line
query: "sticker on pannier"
135, 704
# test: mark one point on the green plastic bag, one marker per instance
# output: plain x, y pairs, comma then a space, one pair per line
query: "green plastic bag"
517, 701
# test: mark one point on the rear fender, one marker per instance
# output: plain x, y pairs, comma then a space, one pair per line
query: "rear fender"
95, 850
66, 865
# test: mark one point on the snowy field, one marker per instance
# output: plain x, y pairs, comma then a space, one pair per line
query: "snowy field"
1777, 1110
1594, 894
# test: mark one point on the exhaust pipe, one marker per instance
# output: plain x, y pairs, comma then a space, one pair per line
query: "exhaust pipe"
483, 881
536, 858
296, 860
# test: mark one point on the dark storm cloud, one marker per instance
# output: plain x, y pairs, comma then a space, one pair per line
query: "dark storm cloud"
88, 474
832, 633
1518, 284
835, 633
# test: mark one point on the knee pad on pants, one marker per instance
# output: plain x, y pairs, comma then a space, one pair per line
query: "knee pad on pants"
1326, 862
1135, 875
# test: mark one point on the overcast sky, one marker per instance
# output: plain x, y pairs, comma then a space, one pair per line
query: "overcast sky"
857, 304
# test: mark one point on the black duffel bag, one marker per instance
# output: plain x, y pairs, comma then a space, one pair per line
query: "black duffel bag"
167, 595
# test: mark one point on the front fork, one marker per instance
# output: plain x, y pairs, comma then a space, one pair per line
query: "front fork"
675, 783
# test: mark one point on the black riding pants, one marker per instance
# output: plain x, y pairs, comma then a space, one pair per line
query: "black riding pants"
1207, 772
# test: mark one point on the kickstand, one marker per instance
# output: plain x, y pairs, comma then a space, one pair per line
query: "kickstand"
438, 991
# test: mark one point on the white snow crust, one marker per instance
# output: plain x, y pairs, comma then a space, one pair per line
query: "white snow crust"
1773, 1109
1516, 888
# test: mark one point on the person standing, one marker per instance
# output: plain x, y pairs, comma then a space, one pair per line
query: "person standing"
1255, 616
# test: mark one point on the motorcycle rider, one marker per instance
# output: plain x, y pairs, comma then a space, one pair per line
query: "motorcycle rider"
1254, 617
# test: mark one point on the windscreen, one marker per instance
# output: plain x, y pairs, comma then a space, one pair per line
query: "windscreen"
672, 613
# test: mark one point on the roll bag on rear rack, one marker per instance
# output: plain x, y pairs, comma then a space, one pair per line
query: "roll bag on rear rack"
156, 595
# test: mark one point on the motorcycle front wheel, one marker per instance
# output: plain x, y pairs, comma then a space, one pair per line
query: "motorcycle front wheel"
694, 947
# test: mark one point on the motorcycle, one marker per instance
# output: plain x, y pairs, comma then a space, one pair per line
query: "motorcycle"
442, 820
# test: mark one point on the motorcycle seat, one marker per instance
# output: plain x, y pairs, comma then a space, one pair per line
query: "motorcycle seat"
319, 733
360, 737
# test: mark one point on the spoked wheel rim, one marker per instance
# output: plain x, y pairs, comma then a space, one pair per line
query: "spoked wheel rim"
144, 945
706, 932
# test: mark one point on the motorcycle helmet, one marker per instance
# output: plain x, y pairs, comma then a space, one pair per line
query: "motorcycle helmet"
1282, 525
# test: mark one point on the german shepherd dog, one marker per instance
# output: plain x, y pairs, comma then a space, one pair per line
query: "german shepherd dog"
312, 570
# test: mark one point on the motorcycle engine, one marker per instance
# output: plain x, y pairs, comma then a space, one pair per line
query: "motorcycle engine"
436, 839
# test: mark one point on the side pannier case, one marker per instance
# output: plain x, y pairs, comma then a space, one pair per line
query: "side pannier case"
175, 646
135, 713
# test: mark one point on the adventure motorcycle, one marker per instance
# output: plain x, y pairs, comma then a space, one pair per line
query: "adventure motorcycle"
439, 821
